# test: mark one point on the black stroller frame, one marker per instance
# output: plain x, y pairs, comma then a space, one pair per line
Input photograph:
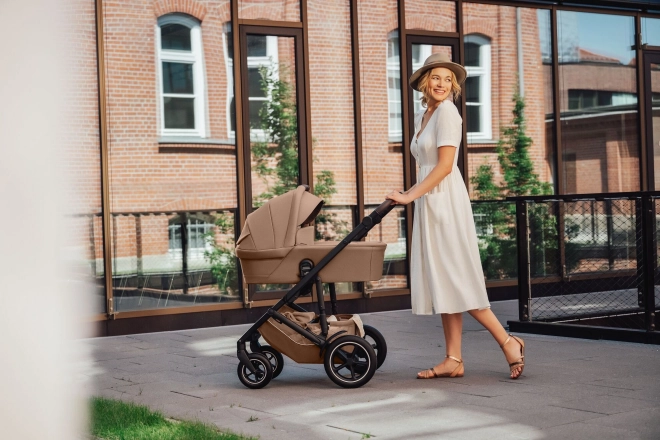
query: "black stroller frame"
262, 372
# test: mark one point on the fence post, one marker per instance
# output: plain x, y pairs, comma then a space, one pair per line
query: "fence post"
524, 279
184, 250
610, 233
649, 260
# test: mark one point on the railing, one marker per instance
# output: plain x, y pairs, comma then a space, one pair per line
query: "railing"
588, 264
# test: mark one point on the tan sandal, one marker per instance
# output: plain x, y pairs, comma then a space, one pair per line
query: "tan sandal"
520, 362
431, 373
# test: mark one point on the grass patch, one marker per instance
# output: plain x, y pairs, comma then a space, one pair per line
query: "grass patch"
117, 420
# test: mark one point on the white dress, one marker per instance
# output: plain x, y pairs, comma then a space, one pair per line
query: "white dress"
445, 268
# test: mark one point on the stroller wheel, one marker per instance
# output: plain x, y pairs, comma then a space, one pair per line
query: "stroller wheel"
262, 376
274, 357
350, 361
377, 341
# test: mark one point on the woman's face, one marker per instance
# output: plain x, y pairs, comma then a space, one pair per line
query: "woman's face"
440, 83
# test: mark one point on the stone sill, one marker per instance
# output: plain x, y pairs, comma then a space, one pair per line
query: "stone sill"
189, 144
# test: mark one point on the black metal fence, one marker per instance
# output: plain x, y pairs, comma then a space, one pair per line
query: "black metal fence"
588, 265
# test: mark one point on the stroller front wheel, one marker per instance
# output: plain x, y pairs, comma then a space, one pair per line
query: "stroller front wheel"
262, 375
350, 361
274, 357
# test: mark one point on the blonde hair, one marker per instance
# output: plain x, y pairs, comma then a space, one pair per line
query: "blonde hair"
423, 85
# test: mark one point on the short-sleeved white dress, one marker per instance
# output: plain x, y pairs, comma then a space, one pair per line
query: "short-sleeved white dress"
445, 268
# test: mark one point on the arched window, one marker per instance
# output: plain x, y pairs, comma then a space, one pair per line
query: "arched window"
477, 88
394, 87
181, 72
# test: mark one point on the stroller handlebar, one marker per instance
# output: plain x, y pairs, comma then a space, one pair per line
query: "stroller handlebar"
384, 208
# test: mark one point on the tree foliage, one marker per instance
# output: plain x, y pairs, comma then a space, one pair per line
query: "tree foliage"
498, 243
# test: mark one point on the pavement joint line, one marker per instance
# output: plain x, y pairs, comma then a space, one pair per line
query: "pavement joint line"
584, 410
350, 430
615, 388
184, 394
258, 410
477, 395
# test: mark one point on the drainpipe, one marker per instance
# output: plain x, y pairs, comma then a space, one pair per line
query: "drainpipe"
521, 77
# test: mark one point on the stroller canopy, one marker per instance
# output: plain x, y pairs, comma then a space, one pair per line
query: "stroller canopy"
280, 234
275, 224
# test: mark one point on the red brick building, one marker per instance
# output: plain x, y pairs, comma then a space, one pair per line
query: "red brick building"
172, 95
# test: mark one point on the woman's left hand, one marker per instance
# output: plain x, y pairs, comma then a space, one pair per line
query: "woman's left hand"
400, 199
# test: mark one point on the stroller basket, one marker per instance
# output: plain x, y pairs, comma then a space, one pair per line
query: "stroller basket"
277, 246
296, 346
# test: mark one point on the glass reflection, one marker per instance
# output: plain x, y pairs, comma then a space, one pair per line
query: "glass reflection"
655, 117
382, 146
509, 121
651, 31
172, 209
598, 91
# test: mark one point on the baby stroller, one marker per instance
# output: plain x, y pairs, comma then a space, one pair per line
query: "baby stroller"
277, 246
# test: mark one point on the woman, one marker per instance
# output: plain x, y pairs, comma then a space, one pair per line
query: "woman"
446, 274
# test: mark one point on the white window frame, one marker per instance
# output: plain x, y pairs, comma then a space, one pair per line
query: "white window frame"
393, 72
201, 228
229, 66
271, 58
424, 53
484, 72
194, 57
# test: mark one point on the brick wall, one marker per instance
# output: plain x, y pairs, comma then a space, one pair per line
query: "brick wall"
278, 10
431, 15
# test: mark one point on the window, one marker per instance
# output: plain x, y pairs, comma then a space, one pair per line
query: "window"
586, 99
198, 228
181, 72
420, 52
228, 41
261, 52
394, 88
477, 88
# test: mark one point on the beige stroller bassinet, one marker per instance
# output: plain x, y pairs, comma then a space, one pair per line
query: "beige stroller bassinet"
277, 246
280, 234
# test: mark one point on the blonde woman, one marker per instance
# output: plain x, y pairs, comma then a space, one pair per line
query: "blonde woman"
446, 274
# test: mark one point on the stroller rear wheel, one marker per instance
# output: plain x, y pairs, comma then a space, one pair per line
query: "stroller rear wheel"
258, 379
274, 357
377, 341
350, 361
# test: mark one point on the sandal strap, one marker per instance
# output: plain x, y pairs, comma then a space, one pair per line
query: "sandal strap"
507, 340
460, 361
432, 374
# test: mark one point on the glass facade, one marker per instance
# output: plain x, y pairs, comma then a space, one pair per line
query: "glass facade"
382, 138
172, 162
191, 150
598, 101
510, 123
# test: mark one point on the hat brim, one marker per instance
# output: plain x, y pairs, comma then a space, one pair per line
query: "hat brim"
458, 70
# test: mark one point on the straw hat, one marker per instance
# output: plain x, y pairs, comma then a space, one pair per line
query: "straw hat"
438, 60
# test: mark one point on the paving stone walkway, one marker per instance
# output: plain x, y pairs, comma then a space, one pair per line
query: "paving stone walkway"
571, 388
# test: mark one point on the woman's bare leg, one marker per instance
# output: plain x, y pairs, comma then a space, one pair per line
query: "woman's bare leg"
487, 318
452, 324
